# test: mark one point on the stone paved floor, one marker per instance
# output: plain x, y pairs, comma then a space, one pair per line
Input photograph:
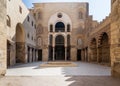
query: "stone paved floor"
60, 81
86, 74
33, 69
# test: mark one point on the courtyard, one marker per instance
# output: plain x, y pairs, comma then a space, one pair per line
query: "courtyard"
84, 74
59, 44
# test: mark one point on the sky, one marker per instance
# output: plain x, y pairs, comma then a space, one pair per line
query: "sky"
98, 8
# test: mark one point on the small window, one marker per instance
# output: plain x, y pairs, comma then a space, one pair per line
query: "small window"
51, 28
28, 35
20, 9
34, 14
8, 21
32, 23
28, 18
35, 26
59, 15
32, 38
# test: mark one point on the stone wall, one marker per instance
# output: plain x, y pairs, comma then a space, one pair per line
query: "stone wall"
115, 38
3, 37
26, 27
46, 14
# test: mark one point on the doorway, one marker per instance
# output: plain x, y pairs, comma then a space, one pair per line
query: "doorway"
39, 55
60, 52
59, 48
8, 54
79, 55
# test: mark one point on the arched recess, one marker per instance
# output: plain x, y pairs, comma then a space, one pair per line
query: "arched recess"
20, 44
39, 44
59, 48
39, 41
8, 21
8, 53
105, 49
59, 27
39, 29
80, 53
79, 42
93, 48
50, 47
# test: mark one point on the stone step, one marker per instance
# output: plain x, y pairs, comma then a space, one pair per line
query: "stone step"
59, 64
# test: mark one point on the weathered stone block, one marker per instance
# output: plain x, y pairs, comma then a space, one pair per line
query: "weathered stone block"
116, 69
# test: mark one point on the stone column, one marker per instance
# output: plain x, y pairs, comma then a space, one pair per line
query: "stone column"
73, 54
65, 53
36, 55
84, 55
30, 54
33, 54
89, 54
45, 54
53, 53
98, 54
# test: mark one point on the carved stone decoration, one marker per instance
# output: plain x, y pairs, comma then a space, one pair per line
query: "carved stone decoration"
39, 42
79, 42
39, 29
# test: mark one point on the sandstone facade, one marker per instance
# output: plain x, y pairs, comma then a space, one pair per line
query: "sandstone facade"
2, 37
51, 17
115, 40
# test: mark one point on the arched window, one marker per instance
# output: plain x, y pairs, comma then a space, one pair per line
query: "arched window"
28, 18
51, 28
80, 15
39, 41
79, 42
59, 27
20, 9
68, 27
8, 21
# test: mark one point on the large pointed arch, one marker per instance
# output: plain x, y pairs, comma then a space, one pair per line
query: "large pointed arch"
20, 43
